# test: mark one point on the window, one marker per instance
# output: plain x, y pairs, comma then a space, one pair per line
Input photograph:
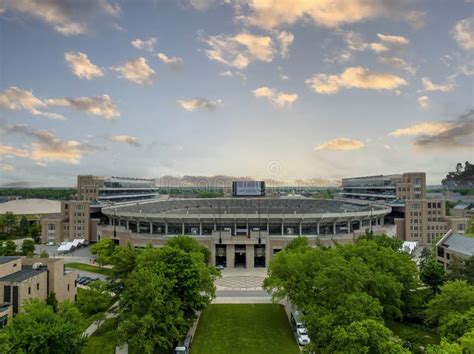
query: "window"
68, 287
29, 290
7, 293
37, 286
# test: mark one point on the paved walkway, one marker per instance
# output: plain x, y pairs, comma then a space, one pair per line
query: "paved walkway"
241, 286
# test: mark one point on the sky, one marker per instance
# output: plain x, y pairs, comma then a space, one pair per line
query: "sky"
276, 89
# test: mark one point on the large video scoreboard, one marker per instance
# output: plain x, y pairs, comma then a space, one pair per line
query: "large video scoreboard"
248, 189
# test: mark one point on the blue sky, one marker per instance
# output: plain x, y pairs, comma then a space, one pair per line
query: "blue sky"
280, 89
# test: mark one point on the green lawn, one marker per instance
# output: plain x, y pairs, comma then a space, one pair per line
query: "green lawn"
405, 330
90, 268
244, 329
103, 341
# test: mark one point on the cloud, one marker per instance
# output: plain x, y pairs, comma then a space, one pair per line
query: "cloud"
424, 102
459, 135
425, 128
81, 66
198, 103
354, 77
280, 98
46, 147
201, 5
269, 14
68, 17
6, 150
144, 44
125, 139
14, 99
175, 63
341, 144
100, 106
355, 42
137, 71
463, 32
285, 39
234, 74
428, 85
240, 50
7, 167
398, 42
398, 63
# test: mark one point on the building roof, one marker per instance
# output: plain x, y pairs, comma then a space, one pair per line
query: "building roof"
6, 259
462, 206
243, 206
460, 244
25, 273
53, 216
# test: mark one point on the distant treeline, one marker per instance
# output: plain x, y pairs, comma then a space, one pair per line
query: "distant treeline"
462, 191
39, 193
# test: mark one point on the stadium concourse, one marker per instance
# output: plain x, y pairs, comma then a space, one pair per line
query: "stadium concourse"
241, 232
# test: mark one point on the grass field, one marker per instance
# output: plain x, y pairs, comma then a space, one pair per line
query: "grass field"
103, 341
90, 268
244, 329
405, 330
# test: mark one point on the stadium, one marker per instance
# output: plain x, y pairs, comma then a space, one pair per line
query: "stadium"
241, 231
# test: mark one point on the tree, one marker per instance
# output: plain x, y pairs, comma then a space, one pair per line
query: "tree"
189, 244
9, 223
24, 226
455, 268
104, 250
149, 318
455, 324
298, 243
432, 274
462, 177
35, 232
444, 348
28, 246
124, 260
52, 301
451, 309
40, 330
371, 279
44, 254
367, 336
9, 248
468, 270
162, 295
96, 298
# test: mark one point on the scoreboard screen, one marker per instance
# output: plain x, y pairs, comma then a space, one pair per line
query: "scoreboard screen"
248, 189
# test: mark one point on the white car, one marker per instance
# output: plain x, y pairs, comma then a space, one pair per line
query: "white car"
302, 336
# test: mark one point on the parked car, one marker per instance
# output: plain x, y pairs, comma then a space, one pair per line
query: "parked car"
85, 280
185, 346
302, 336
220, 267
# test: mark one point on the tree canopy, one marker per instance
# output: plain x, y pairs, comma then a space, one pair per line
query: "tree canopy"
463, 176
164, 289
41, 330
339, 288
